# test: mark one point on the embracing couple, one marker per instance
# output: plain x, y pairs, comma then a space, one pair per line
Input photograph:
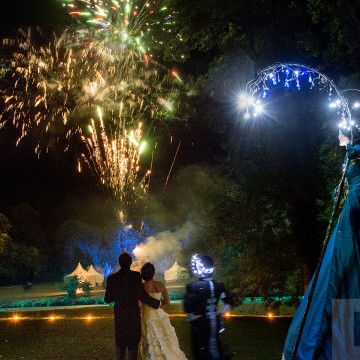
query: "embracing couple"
153, 331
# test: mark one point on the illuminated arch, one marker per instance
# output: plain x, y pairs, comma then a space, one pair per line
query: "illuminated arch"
290, 74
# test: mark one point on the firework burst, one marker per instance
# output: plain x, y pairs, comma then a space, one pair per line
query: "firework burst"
95, 83
137, 23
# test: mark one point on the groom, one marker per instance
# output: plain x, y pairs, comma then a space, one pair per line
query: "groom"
125, 288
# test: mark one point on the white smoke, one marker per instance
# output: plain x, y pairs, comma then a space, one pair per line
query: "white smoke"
163, 248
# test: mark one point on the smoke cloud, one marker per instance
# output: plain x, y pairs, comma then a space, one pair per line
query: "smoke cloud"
163, 248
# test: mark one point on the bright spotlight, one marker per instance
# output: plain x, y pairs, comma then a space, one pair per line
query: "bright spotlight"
258, 108
335, 104
242, 100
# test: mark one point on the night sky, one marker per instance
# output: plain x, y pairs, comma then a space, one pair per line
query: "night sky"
16, 13
50, 184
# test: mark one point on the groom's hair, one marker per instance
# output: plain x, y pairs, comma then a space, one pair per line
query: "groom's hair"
147, 271
125, 260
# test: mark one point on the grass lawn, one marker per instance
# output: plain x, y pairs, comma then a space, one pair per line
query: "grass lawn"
72, 336
16, 292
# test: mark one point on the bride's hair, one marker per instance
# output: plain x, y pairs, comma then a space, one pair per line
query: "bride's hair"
147, 271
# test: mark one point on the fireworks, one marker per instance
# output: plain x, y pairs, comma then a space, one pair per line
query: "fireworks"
95, 83
138, 23
115, 161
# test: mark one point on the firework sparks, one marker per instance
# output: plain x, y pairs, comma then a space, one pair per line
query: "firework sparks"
95, 83
115, 160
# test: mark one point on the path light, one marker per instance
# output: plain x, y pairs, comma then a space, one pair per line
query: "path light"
53, 317
15, 318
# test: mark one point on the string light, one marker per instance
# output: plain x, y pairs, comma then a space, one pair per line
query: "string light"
293, 75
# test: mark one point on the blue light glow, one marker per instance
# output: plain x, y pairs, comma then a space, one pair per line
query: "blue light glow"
296, 76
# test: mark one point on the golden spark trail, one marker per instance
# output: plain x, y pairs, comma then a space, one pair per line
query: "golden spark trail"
95, 84
172, 164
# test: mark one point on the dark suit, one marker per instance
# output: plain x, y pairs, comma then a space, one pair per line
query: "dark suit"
125, 288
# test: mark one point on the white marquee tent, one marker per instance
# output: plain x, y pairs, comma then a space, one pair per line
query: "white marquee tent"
94, 277
78, 271
176, 272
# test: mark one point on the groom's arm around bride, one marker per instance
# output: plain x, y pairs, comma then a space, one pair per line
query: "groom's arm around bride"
125, 288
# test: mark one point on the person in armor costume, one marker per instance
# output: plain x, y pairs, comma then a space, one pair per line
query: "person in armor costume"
201, 303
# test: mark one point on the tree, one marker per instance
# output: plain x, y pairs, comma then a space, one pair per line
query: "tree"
258, 29
5, 228
18, 263
78, 241
27, 229
242, 231
339, 24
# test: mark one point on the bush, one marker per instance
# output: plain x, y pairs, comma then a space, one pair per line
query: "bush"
74, 284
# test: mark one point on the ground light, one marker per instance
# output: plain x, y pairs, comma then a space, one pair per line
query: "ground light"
18, 317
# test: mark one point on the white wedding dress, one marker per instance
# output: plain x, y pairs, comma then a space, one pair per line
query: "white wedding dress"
158, 337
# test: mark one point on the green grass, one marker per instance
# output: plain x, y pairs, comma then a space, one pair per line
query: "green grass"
74, 337
49, 295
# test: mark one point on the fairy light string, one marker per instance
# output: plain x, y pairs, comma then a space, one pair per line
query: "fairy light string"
292, 75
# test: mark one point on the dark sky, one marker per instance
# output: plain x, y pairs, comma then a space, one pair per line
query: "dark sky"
17, 13
50, 184
23, 177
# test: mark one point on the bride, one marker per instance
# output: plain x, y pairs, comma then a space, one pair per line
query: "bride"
158, 339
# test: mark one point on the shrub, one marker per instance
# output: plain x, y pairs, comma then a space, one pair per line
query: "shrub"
74, 284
